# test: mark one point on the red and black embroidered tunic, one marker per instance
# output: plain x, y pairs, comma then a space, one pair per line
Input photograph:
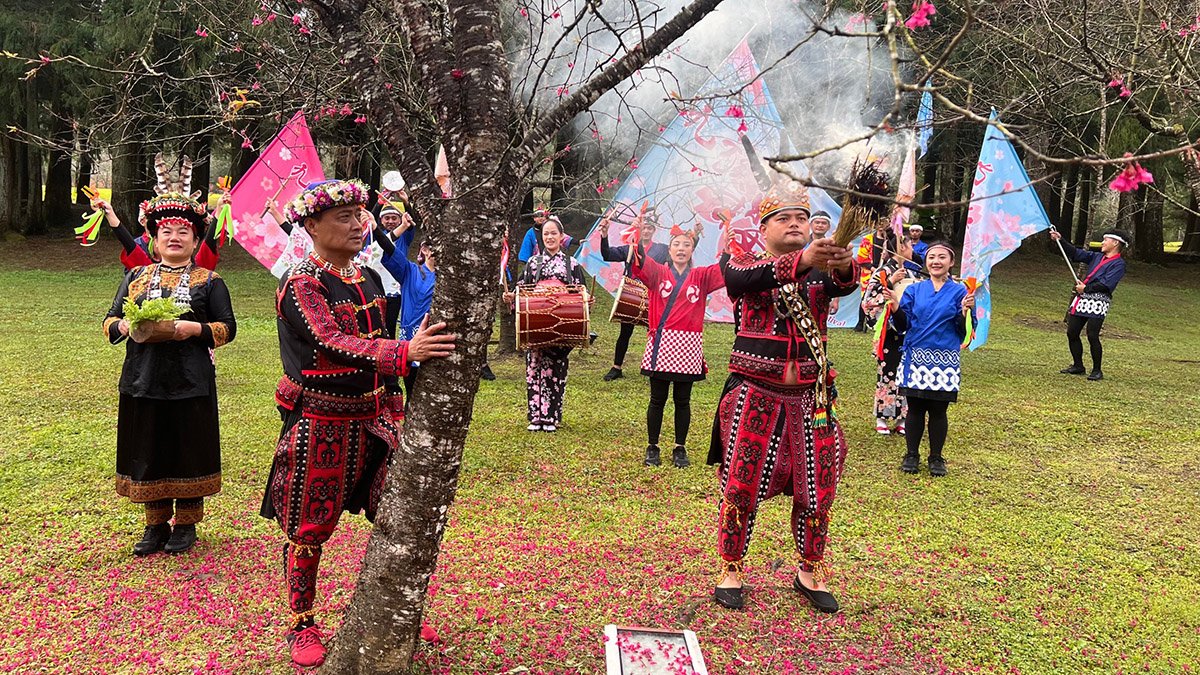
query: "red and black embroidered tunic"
767, 337
337, 360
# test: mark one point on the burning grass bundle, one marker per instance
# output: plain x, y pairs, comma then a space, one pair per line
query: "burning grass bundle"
866, 202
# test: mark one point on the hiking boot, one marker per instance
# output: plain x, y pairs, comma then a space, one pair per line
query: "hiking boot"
486, 373
1073, 370
679, 457
153, 539
937, 466
1096, 376
183, 537
306, 648
614, 373
652, 456
910, 464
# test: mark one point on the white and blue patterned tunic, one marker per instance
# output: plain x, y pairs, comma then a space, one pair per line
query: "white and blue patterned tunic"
936, 326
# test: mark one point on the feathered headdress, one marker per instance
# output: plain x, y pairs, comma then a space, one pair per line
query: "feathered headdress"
172, 201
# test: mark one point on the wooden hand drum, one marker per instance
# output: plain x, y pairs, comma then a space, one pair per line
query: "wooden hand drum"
631, 304
552, 316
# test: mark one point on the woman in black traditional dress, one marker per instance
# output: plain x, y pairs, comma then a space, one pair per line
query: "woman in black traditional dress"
168, 440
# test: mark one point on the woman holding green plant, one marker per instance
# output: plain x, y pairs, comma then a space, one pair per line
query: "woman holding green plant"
175, 313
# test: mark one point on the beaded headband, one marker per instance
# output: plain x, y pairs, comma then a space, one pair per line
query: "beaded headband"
784, 196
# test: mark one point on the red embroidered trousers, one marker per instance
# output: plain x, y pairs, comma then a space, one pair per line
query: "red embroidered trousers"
772, 447
323, 467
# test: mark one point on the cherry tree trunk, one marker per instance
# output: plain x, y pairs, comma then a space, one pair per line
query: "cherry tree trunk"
383, 620
1191, 237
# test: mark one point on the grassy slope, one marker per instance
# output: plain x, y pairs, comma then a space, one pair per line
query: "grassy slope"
1064, 540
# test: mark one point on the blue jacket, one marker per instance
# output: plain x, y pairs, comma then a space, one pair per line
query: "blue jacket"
1106, 279
919, 249
416, 286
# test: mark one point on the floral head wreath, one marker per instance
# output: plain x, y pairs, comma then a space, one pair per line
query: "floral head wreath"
318, 197
172, 203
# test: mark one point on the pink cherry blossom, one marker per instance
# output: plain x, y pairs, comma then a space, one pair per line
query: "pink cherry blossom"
201, 32
922, 10
1131, 177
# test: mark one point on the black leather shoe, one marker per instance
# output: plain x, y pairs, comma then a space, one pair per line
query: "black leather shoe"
679, 457
182, 538
823, 601
613, 374
1073, 370
1096, 376
153, 539
486, 373
729, 598
652, 456
937, 466
911, 464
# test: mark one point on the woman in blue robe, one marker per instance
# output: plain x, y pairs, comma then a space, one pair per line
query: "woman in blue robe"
933, 315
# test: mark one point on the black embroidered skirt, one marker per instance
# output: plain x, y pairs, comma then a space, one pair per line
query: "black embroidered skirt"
168, 449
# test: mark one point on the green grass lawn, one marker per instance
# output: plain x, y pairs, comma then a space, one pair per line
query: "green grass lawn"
1065, 539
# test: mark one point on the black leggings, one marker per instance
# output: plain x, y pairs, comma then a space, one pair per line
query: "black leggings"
914, 425
1075, 326
658, 401
623, 344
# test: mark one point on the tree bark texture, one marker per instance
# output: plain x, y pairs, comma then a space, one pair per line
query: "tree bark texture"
1191, 237
83, 177
1191, 231
34, 213
1066, 219
1087, 178
461, 64
132, 180
10, 193
1148, 235
57, 200
199, 149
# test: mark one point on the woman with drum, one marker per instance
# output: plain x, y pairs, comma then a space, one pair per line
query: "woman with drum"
675, 343
546, 366
656, 251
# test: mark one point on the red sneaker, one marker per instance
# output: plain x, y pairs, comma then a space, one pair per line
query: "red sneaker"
306, 647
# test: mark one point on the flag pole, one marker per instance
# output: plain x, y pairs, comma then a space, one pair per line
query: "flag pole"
1064, 254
